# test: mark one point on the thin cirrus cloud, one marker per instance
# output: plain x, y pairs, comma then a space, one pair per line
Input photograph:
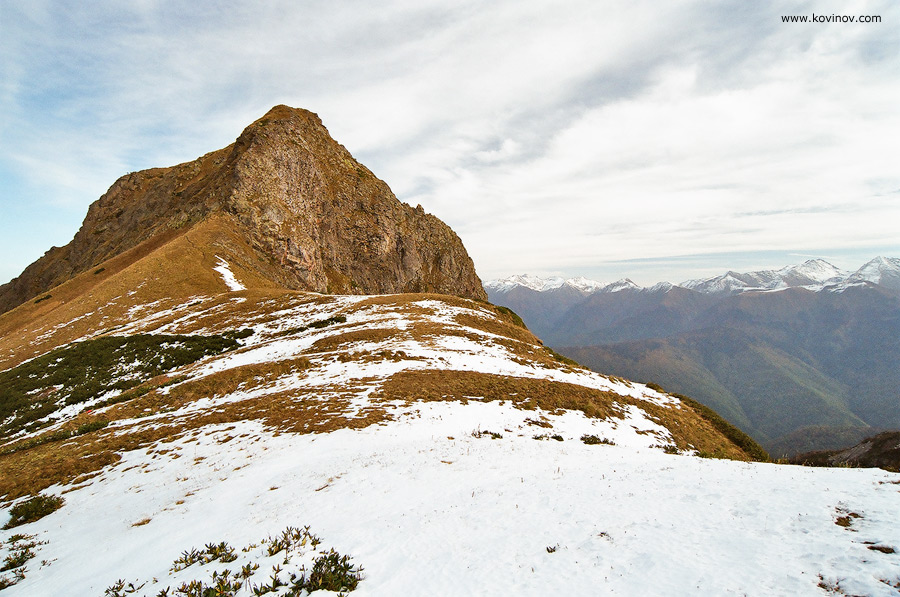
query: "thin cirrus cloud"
574, 138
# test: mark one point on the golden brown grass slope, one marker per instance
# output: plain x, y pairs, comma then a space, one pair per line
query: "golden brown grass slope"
164, 271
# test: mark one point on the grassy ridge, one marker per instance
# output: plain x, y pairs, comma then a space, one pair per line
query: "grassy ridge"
732, 433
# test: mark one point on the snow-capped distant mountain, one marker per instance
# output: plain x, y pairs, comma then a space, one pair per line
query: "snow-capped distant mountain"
537, 284
524, 281
620, 285
813, 274
884, 271
585, 285
581, 284
729, 283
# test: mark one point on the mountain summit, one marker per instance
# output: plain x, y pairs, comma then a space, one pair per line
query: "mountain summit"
310, 216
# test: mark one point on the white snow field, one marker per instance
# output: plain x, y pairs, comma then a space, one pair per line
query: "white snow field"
449, 497
426, 508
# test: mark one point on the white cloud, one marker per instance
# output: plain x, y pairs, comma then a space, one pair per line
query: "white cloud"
550, 135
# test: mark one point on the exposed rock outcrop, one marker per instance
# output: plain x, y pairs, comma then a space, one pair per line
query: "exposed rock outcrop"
303, 203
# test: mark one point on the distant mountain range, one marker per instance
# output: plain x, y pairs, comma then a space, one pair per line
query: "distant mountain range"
815, 274
805, 357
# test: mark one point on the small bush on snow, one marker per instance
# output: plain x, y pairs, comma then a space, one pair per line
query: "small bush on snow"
21, 549
485, 433
593, 440
33, 509
294, 548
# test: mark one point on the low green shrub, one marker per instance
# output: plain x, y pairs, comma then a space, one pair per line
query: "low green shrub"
485, 433
734, 435
593, 440
564, 359
21, 549
321, 323
59, 435
512, 315
16, 559
33, 509
92, 426
330, 571
238, 334
120, 589
221, 552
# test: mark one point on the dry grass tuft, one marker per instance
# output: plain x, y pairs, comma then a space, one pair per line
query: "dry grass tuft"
30, 471
527, 393
407, 298
336, 342
495, 326
882, 548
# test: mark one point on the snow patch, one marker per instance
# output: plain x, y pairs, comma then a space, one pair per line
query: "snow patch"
227, 276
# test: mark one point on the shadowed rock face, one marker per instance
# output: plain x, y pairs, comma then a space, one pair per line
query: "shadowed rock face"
882, 450
303, 203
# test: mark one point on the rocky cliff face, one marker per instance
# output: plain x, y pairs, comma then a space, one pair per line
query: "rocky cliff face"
303, 202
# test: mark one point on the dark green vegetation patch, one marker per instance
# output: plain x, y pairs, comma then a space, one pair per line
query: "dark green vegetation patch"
515, 316
735, 435
86, 370
34, 508
56, 436
321, 323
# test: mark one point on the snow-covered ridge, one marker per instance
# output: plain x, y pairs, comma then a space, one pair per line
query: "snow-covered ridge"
814, 274
282, 332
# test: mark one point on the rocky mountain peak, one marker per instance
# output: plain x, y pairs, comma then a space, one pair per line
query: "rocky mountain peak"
318, 219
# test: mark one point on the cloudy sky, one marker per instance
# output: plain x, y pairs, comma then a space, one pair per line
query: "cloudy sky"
661, 140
